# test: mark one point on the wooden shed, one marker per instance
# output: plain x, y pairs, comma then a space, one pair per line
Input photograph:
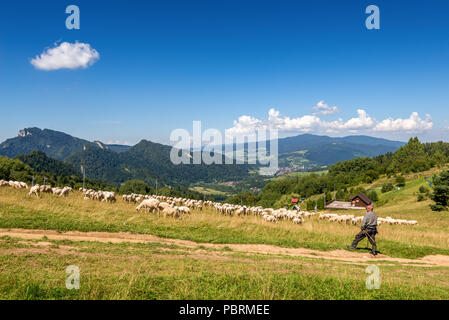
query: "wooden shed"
360, 200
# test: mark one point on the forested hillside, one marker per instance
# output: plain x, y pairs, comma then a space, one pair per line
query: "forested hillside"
412, 157
40, 162
149, 161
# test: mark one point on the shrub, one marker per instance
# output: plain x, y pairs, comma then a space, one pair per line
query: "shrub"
387, 187
421, 197
423, 189
400, 181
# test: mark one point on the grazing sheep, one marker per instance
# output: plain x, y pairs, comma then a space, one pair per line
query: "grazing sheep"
64, 192
35, 190
297, 220
46, 189
171, 212
149, 205
184, 210
163, 205
108, 196
269, 218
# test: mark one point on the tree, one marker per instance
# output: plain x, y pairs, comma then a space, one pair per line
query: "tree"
400, 181
342, 194
411, 157
134, 186
438, 158
320, 203
371, 175
310, 205
329, 197
440, 191
373, 195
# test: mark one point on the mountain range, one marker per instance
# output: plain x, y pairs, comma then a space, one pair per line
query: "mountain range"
149, 161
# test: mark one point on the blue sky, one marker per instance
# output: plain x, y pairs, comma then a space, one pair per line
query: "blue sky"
163, 64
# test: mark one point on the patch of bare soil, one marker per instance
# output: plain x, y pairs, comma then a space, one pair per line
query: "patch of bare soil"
121, 237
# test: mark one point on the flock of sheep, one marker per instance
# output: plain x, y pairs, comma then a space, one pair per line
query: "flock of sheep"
105, 196
14, 184
349, 218
268, 214
177, 207
37, 189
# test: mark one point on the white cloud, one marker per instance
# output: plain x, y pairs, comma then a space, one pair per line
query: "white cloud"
413, 124
325, 109
246, 124
362, 121
312, 123
66, 56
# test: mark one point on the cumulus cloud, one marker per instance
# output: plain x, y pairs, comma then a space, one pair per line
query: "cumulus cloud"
325, 109
247, 124
66, 56
412, 124
362, 121
312, 123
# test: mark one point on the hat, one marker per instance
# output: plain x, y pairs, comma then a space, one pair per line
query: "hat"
370, 206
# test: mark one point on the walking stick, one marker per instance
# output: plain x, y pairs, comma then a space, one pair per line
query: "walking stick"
369, 237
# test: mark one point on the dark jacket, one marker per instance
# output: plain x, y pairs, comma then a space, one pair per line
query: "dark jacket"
369, 220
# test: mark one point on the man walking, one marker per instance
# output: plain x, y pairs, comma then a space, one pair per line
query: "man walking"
369, 229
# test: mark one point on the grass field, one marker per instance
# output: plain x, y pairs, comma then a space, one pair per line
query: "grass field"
35, 268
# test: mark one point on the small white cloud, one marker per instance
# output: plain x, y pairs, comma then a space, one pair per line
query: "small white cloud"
118, 142
325, 109
413, 124
363, 121
66, 56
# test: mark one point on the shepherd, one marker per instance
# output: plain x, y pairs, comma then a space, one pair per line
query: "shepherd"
369, 229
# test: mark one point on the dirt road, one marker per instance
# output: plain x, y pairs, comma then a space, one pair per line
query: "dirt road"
121, 237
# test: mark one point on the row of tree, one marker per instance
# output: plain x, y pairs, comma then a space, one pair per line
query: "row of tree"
16, 170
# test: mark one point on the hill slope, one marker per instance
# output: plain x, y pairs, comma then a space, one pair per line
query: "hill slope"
149, 161
55, 144
313, 150
40, 162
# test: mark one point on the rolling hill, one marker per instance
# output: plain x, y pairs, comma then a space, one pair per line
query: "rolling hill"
40, 162
149, 161
314, 151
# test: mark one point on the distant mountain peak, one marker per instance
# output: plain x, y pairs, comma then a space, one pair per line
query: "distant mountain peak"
55, 144
28, 131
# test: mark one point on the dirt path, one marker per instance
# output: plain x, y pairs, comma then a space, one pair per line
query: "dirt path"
120, 237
